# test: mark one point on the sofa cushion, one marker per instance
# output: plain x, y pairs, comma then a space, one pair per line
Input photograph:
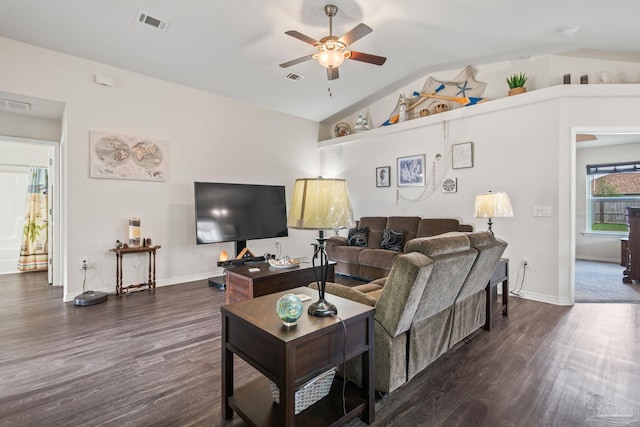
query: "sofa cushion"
346, 254
366, 288
346, 292
401, 293
358, 236
408, 224
376, 225
392, 240
428, 227
490, 249
379, 258
442, 244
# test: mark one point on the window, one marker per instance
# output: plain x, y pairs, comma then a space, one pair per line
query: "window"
611, 188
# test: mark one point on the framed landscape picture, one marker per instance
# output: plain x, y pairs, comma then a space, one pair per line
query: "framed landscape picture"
411, 171
383, 176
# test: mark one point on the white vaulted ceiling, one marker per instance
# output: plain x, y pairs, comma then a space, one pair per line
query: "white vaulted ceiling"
233, 47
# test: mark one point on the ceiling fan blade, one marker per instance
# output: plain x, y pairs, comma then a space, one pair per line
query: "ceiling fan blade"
298, 35
358, 32
296, 61
332, 73
367, 57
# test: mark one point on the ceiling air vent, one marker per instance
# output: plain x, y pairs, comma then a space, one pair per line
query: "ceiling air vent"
157, 23
15, 105
293, 77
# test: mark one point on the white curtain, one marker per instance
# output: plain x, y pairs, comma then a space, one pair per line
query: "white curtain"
34, 248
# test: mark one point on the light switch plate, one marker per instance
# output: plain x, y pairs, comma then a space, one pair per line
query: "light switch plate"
542, 211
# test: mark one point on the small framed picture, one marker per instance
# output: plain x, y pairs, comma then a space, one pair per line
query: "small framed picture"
411, 171
383, 175
462, 155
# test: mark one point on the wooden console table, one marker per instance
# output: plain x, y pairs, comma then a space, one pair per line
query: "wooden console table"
151, 282
242, 283
292, 356
500, 275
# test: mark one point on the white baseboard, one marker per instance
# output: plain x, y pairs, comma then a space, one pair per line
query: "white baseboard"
588, 258
159, 283
543, 298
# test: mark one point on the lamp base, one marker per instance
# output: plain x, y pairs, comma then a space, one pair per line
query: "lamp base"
322, 308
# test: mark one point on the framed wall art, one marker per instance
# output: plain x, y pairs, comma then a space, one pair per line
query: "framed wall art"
127, 157
411, 171
383, 176
462, 155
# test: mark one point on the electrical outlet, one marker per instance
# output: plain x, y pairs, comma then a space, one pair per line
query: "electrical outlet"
84, 264
526, 261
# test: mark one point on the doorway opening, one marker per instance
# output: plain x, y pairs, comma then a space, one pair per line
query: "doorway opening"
37, 126
599, 230
19, 158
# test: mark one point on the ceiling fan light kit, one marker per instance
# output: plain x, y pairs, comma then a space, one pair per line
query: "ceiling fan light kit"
330, 58
331, 50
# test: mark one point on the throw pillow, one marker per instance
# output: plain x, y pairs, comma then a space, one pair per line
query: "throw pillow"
392, 240
358, 237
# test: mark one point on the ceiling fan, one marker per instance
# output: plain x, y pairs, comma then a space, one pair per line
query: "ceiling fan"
331, 50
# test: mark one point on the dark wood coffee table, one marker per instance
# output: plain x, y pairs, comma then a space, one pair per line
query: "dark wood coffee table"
292, 356
243, 284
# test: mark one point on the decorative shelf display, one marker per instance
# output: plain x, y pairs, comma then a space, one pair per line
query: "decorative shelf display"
531, 97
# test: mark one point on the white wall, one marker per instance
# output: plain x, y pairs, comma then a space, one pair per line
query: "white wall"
211, 139
506, 158
592, 246
24, 126
522, 145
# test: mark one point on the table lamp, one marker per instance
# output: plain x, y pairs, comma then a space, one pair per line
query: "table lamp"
492, 205
320, 204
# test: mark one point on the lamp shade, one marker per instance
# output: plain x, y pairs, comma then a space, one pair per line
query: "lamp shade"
320, 204
493, 205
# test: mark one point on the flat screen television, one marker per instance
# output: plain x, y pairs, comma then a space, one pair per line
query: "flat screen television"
239, 212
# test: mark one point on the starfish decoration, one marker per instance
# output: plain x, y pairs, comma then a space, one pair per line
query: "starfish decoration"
463, 88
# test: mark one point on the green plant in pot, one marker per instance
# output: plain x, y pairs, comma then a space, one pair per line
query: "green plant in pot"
516, 83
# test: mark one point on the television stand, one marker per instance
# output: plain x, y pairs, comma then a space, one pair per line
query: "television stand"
220, 281
245, 253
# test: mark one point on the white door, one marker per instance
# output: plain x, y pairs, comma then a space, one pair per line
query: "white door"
50, 198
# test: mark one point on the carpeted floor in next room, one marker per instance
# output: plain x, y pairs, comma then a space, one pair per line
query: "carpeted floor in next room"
602, 282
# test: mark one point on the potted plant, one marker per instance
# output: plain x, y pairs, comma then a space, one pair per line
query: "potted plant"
516, 83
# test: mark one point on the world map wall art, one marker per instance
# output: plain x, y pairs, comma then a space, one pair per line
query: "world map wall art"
127, 157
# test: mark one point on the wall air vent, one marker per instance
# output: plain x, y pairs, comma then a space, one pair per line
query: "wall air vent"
157, 23
293, 77
8, 104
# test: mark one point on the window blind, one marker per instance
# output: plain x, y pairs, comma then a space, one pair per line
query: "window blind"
609, 168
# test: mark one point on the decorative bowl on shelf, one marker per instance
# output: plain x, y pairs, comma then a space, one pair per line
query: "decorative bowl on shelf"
289, 308
284, 262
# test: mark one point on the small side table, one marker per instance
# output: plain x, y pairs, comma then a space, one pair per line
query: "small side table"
151, 282
500, 275
292, 356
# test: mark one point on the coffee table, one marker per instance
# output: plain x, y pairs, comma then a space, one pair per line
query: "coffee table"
291, 356
243, 283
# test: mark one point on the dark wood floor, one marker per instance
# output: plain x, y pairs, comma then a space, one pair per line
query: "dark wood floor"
154, 360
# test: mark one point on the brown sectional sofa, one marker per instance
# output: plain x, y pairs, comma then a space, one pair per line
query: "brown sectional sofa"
434, 297
371, 262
